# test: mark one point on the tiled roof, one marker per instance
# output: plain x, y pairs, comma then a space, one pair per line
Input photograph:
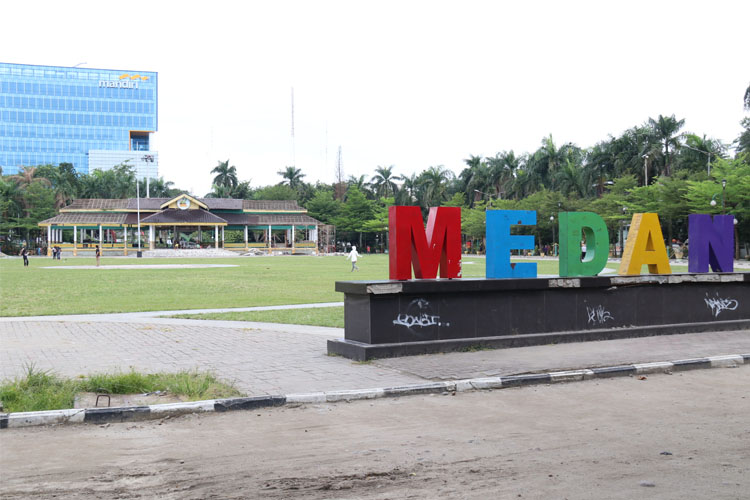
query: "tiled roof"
147, 203
240, 219
97, 204
272, 206
286, 220
221, 203
174, 216
86, 218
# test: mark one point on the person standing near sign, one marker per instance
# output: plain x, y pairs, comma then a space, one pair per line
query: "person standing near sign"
353, 256
98, 254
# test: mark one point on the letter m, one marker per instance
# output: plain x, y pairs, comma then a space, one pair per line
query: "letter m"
410, 244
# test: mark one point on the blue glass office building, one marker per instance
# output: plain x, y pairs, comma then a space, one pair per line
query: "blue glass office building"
87, 117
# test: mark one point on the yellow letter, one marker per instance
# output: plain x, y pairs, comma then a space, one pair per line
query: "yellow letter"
645, 245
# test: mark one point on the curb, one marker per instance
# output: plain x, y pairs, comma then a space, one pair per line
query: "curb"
136, 413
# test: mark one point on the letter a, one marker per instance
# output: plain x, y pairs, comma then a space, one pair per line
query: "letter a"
645, 245
411, 245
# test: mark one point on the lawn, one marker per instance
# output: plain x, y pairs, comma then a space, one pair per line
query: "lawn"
41, 289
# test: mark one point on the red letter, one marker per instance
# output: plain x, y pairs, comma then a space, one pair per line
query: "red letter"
441, 245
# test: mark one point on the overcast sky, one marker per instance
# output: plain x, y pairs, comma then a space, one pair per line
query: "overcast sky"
407, 83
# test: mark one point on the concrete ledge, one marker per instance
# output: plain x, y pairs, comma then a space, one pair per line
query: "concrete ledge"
125, 414
402, 318
360, 351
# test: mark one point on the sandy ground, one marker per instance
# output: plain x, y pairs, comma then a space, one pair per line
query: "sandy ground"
677, 436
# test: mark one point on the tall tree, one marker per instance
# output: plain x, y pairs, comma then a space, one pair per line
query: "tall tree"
225, 175
408, 194
434, 181
666, 129
502, 171
292, 177
383, 182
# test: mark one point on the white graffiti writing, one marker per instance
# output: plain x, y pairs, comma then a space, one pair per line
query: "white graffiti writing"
718, 304
418, 313
598, 315
421, 320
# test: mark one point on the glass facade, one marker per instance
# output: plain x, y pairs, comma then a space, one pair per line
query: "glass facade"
51, 114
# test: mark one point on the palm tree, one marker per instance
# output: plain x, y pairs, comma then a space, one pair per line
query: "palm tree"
360, 183
28, 175
383, 182
23, 180
159, 188
502, 171
665, 130
474, 179
409, 192
570, 179
435, 181
292, 176
225, 175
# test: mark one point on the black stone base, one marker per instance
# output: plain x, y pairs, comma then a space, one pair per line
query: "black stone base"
399, 318
360, 351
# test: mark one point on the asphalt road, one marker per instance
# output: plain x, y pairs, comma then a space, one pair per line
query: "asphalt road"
677, 436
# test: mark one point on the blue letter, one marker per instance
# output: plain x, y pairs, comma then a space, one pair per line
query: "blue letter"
500, 242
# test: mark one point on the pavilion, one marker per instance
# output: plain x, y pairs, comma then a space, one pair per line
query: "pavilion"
181, 222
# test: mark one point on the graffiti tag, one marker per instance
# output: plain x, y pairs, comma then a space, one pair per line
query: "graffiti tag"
716, 305
421, 320
419, 314
598, 315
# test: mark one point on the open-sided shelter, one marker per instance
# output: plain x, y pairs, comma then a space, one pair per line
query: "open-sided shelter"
183, 221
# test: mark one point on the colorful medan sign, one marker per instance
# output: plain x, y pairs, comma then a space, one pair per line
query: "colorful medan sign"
439, 246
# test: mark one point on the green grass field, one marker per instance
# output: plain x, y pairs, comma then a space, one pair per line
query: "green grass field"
43, 289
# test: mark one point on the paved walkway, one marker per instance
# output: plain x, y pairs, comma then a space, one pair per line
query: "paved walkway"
265, 358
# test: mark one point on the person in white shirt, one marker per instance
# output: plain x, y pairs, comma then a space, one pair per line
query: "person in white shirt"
353, 255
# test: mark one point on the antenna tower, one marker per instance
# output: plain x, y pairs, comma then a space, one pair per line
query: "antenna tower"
294, 152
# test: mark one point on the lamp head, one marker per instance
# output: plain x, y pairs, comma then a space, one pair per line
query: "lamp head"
713, 202
723, 183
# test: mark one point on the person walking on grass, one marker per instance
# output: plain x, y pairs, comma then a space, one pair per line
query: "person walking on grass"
25, 255
98, 254
353, 256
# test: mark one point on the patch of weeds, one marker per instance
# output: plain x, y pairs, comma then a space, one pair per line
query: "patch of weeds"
39, 390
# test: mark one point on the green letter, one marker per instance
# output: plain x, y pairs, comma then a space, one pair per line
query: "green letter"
597, 244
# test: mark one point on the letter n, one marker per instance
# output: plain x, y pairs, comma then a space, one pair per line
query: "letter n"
410, 244
711, 243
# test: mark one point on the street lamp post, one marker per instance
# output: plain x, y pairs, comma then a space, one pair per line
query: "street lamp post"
723, 187
489, 197
645, 170
622, 222
552, 222
138, 212
708, 157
